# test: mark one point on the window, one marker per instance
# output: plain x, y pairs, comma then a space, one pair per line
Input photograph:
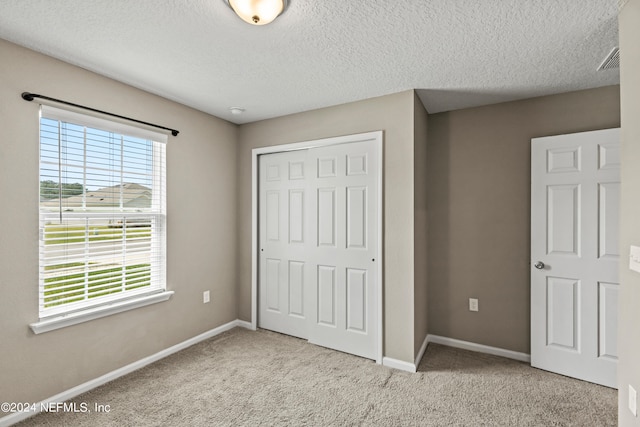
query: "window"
102, 213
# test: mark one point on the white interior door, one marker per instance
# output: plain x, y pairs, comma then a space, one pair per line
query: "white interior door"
318, 244
575, 199
284, 259
343, 226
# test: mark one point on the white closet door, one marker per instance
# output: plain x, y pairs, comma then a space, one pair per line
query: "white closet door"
284, 243
343, 251
318, 224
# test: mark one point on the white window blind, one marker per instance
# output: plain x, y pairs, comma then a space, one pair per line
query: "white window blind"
102, 212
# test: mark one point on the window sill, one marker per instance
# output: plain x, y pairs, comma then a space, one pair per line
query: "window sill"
97, 312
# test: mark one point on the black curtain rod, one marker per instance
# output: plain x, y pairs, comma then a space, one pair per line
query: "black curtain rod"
30, 96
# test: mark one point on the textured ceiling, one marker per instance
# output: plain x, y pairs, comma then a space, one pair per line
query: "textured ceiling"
456, 53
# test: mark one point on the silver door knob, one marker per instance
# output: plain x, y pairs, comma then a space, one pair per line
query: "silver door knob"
539, 265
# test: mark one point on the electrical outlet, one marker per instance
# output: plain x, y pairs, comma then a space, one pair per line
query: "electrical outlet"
205, 297
634, 258
633, 399
473, 304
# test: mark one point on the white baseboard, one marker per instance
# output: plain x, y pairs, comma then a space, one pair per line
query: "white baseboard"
90, 385
423, 348
407, 366
398, 364
245, 324
481, 348
452, 342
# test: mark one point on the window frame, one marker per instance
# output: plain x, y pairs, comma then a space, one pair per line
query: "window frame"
51, 318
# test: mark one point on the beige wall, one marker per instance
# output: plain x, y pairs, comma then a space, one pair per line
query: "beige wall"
394, 115
201, 232
479, 201
420, 305
629, 315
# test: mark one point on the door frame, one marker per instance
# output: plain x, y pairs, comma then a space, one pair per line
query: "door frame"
375, 137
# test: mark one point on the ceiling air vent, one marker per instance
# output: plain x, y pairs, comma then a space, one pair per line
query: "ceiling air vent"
611, 61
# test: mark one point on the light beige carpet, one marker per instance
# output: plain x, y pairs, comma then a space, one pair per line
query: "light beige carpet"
244, 378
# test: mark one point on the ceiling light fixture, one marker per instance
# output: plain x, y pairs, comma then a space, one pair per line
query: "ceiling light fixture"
236, 110
257, 12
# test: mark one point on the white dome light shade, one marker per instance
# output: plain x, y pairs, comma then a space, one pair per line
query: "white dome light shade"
258, 12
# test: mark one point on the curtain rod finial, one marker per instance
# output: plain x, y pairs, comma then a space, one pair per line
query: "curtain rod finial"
27, 96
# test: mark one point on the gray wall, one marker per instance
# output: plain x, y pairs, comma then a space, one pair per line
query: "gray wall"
479, 202
420, 183
201, 234
629, 320
394, 115
476, 165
